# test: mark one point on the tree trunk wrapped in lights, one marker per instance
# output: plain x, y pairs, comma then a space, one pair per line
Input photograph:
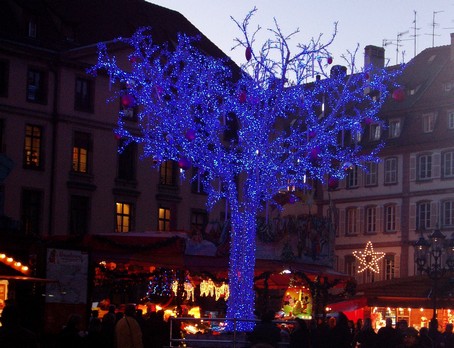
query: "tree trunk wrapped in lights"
251, 136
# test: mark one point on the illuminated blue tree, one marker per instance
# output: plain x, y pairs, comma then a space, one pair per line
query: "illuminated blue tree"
248, 136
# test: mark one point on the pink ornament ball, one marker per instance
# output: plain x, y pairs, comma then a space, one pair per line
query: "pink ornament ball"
184, 163
127, 100
248, 53
190, 134
330, 60
399, 95
312, 134
314, 153
333, 183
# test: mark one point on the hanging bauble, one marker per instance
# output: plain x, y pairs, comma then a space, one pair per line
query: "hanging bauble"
248, 53
366, 76
133, 59
242, 97
399, 94
330, 60
368, 121
312, 134
333, 183
184, 163
127, 100
190, 134
314, 153
117, 136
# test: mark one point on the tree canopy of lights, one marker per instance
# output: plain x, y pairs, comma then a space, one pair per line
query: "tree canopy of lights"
251, 136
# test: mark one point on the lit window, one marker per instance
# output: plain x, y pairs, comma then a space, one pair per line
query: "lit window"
390, 170
32, 146
163, 219
80, 152
390, 218
394, 128
448, 164
424, 167
428, 122
123, 217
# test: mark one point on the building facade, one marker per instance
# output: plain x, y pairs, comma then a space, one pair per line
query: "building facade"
410, 192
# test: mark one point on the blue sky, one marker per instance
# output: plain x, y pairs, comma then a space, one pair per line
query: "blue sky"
363, 22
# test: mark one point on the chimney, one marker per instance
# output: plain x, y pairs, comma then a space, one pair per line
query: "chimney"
375, 56
452, 46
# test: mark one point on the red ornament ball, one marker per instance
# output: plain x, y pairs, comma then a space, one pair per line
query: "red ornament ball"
190, 134
399, 94
127, 100
312, 134
248, 53
366, 76
314, 153
117, 136
330, 60
368, 121
242, 97
333, 183
184, 163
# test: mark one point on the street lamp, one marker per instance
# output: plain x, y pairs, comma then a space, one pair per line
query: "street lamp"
429, 259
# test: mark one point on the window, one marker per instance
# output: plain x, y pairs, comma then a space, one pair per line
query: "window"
356, 136
448, 164
123, 217
163, 219
389, 264
79, 215
31, 216
350, 265
448, 213
197, 183
84, 95
351, 223
423, 216
127, 161
424, 167
391, 170
32, 28
352, 177
390, 218
36, 86
371, 174
128, 108
81, 148
394, 128
167, 173
198, 221
4, 78
32, 147
451, 119
428, 123
375, 132
371, 219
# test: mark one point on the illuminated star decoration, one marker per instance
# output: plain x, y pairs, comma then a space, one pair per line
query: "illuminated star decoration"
368, 259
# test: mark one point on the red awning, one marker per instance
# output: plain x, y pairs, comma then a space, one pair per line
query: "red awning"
349, 305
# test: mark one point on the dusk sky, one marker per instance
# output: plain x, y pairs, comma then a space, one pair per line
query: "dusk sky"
359, 22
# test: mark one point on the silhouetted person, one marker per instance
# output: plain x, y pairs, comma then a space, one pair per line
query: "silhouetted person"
410, 338
265, 331
300, 336
434, 334
94, 338
69, 336
424, 338
448, 336
340, 336
128, 333
367, 338
108, 328
387, 335
12, 334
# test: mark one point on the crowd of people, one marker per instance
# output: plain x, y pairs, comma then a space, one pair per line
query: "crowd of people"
116, 329
340, 332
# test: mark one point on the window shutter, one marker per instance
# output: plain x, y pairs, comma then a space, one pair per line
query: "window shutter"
412, 223
412, 168
436, 165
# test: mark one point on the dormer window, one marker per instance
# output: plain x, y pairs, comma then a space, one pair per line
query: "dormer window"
428, 123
